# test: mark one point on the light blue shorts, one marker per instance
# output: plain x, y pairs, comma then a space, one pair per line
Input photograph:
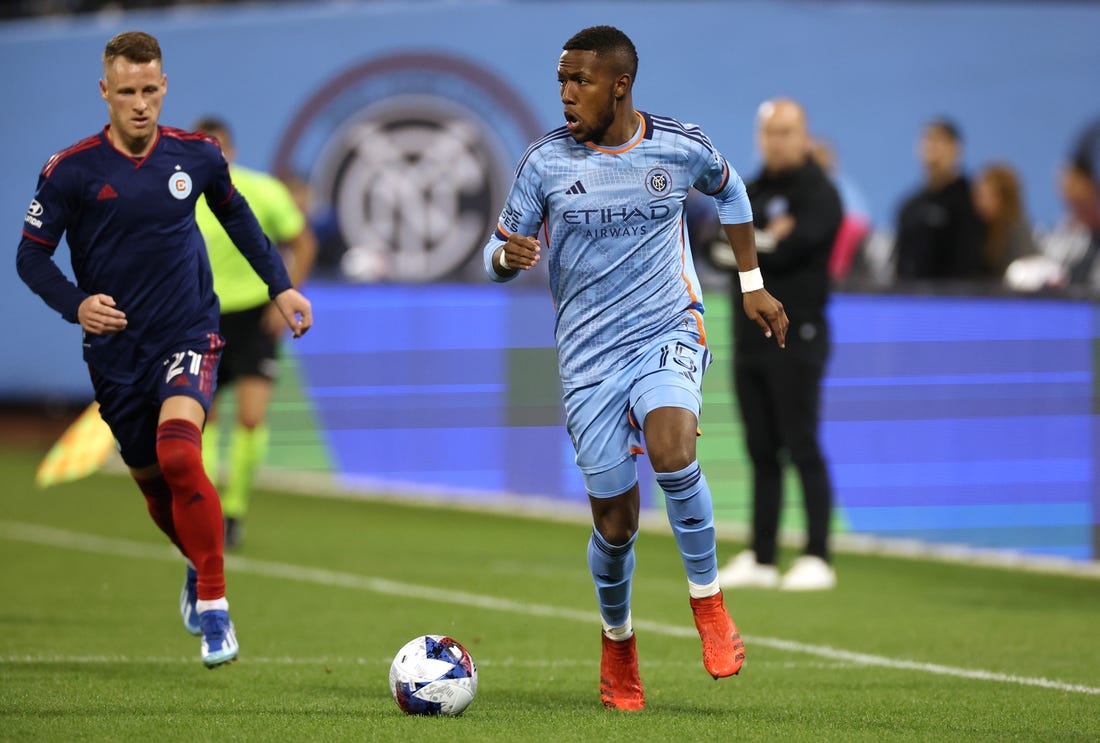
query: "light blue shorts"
605, 420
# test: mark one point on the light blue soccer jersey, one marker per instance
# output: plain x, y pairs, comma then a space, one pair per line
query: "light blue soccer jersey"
614, 237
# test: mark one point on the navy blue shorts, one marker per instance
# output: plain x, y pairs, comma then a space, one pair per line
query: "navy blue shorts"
133, 410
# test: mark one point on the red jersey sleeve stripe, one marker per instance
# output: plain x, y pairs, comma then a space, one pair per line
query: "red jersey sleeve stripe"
39, 240
232, 190
174, 133
80, 146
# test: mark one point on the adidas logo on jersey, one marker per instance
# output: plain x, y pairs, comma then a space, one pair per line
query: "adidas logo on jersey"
107, 193
577, 188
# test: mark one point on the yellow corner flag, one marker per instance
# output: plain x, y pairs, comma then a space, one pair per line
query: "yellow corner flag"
83, 448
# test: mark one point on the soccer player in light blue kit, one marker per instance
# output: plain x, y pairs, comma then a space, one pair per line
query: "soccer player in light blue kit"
608, 191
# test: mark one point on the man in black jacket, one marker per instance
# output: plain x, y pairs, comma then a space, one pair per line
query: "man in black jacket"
1080, 185
938, 232
797, 212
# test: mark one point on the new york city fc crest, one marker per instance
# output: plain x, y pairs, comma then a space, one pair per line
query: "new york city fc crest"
410, 155
658, 182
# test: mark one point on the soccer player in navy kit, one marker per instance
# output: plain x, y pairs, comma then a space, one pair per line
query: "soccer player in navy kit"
608, 189
125, 198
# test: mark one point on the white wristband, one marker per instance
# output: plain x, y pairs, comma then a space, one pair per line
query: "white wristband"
751, 280
503, 261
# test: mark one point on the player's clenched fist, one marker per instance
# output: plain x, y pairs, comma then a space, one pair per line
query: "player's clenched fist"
520, 253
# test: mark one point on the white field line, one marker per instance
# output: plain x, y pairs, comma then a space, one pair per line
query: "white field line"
313, 484
189, 660
64, 539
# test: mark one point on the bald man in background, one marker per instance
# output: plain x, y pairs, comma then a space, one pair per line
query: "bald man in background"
796, 213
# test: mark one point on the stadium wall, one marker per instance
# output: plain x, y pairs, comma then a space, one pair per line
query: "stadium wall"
975, 430
1019, 77
957, 420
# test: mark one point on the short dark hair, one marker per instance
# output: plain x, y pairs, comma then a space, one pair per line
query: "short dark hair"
946, 126
136, 46
607, 41
216, 127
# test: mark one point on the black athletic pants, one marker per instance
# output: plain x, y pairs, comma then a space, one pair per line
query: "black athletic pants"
780, 400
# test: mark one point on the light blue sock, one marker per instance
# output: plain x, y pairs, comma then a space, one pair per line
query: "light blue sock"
612, 569
691, 514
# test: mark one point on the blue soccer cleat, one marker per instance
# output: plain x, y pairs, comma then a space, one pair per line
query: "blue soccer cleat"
188, 596
219, 643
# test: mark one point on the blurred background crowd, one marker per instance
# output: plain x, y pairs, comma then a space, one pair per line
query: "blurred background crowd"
965, 223
965, 228
39, 8
963, 138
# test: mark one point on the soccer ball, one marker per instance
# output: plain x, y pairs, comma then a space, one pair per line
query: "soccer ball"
433, 675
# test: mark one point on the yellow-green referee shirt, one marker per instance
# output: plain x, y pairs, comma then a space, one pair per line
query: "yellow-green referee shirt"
236, 284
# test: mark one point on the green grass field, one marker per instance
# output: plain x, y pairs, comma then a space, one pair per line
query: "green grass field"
328, 589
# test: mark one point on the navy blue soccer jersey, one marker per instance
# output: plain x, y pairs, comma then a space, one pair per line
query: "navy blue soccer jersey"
130, 226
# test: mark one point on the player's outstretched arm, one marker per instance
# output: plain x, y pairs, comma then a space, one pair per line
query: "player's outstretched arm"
299, 255
296, 310
761, 307
240, 224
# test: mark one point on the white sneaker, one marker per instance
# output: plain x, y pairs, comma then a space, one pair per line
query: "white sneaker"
809, 573
743, 571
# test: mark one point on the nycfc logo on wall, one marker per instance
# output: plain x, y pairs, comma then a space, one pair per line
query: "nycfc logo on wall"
412, 155
179, 185
657, 182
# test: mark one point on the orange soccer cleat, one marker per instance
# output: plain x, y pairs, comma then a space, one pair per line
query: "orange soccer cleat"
723, 648
620, 685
